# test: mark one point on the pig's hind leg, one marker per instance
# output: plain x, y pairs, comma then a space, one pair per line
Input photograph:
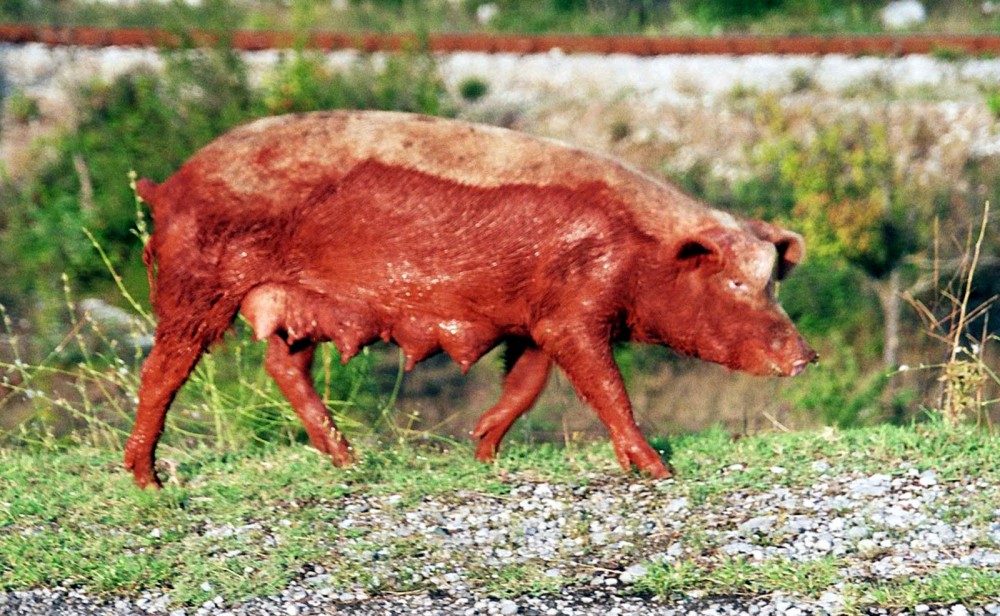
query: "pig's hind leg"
289, 365
163, 373
527, 372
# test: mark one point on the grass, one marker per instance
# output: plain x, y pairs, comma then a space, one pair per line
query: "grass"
735, 576
951, 585
246, 523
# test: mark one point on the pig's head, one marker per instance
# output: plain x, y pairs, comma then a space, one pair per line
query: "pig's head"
712, 295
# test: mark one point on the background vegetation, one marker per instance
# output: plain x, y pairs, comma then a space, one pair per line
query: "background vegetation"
569, 16
879, 236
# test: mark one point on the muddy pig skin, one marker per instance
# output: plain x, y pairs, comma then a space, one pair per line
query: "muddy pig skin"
440, 235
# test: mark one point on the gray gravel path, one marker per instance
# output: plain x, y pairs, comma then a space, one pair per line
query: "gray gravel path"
597, 539
299, 601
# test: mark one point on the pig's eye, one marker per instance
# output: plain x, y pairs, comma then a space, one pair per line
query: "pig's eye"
736, 285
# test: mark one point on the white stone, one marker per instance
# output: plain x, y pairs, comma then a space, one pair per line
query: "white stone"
543, 490
867, 546
632, 574
485, 13
820, 466
903, 14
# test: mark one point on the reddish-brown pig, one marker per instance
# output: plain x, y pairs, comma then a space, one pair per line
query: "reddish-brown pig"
441, 235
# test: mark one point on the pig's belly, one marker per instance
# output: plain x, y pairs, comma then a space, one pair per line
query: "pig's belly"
352, 324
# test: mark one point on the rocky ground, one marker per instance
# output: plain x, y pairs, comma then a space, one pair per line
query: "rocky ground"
670, 110
591, 549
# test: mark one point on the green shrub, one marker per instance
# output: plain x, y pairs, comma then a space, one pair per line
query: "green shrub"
993, 102
15, 10
21, 107
723, 10
839, 390
473, 88
802, 80
152, 122
403, 82
620, 129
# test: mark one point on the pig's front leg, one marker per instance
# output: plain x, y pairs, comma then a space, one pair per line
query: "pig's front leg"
589, 365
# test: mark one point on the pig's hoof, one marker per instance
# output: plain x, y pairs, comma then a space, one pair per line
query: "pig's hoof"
142, 471
140, 464
341, 453
489, 432
333, 443
146, 479
642, 457
658, 470
486, 450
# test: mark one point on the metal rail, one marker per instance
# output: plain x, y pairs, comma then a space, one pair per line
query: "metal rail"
249, 40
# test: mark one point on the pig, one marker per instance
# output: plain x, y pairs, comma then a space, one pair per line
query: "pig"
441, 235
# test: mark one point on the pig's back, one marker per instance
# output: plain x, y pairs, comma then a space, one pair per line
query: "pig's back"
285, 161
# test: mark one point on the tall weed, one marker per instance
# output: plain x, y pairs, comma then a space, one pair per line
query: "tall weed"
963, 328
86, 388
152, 122
77, 221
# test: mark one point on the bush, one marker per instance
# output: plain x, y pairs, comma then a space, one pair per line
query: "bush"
21, 107
839, 390
723, 10
404, 82
128, 124
473, 88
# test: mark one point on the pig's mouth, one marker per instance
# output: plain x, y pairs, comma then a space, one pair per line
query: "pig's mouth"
762, 364
799, 365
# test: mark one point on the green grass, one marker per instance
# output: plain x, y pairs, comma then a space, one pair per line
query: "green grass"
248, 522
734, 576
517, 580
949, 586
952, 585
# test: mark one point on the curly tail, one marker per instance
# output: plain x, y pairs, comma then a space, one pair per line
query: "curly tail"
147, 191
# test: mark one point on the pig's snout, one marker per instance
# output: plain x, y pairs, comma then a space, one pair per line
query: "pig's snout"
805, 357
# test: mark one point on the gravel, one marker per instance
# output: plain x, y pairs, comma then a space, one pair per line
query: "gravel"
596, 539
297, 602
525, 79
550, 84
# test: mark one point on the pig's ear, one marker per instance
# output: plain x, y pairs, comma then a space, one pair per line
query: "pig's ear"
699, 252
791, 250
790, 245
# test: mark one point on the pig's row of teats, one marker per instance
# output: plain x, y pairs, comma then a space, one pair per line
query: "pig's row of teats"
254, 40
